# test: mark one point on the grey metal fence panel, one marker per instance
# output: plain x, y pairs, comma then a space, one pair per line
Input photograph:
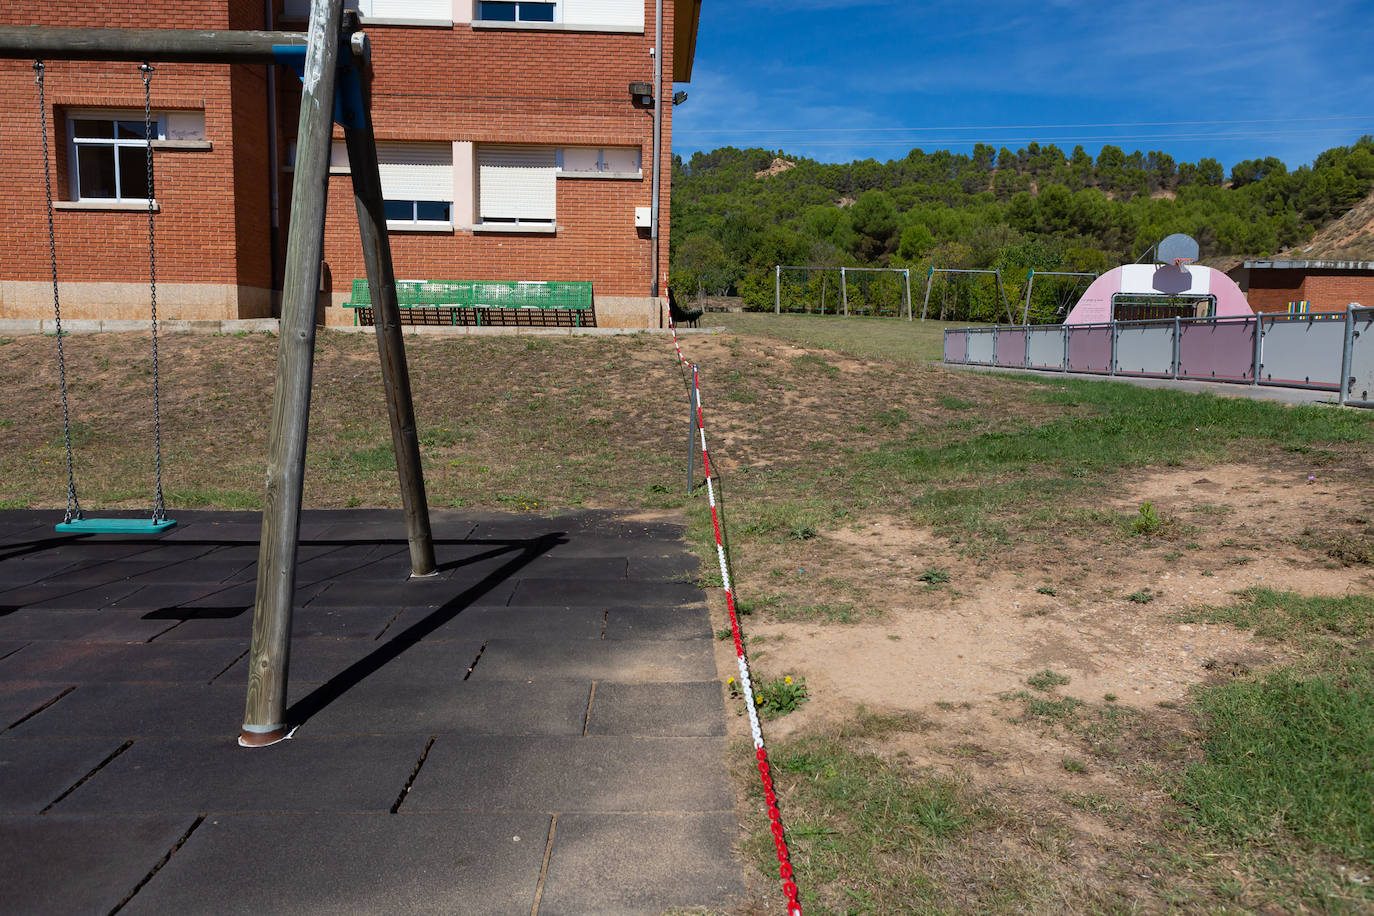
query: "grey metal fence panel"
956, 346
1011, 347
1045, 347
1145, 350
980, 346
1090, 348
1302, 351
1360, 392
1217, 349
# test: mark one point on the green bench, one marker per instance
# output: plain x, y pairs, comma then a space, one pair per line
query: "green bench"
546, 303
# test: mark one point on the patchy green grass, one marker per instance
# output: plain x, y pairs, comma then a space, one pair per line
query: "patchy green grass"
1287, 751
1047, 680
1288, 755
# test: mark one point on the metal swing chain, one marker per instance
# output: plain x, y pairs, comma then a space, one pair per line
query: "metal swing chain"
159, 508
73, 505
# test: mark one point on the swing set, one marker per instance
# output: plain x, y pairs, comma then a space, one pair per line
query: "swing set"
331, 59
75, 520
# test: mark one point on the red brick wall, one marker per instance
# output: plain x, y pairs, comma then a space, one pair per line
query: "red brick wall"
1329, 291
449, 84
199, 236
520, 86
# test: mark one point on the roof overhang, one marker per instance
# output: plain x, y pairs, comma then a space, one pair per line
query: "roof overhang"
1310, 265
686, 20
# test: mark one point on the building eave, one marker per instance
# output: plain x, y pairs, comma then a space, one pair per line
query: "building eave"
1310, 265
686, 21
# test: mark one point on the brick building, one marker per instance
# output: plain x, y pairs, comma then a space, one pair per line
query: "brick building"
1326, 286
510, 143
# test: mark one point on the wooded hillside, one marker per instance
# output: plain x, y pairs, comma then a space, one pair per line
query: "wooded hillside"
1037, 207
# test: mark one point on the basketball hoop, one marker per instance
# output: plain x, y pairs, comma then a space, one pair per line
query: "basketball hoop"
1178, 249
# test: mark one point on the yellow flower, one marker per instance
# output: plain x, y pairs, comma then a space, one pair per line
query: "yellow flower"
787, 680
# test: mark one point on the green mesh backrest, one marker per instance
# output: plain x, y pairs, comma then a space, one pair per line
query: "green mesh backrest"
554, 294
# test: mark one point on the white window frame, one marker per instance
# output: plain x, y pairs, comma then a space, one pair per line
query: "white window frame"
415, 224
75, 143
518, 22
485, 223
602, 171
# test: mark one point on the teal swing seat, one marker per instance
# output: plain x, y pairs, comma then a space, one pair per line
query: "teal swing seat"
75, 521
114, 526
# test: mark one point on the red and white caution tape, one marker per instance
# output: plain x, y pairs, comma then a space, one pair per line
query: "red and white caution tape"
789, 887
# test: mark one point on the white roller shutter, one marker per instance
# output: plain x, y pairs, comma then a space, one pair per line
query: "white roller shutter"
517, 182
617, 13
437, 10
416, 171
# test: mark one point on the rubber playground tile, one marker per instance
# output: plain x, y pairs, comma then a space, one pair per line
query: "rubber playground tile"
410, 865
83, 598
244, 594
111, 625
18, 701
657, 710
556, 623
39, 594
68, 865
124, 711
682, 567
306, 623
628, 864
502, 773
154, 597
195, 775
27, 624
692, 622
572, 591
413, 592
621, 659
37, 772
76, 662
348, 661
220, 565
463, 707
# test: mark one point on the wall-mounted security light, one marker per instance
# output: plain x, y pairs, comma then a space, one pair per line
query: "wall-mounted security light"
643, 92
679, 97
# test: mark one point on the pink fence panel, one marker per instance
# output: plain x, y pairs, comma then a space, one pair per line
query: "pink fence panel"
1011, 347
956, 346
1222, 349
1090, 349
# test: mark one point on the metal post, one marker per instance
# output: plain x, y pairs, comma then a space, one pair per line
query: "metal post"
1259, 345
777, 290
691, 431
925, 301
269, 656
1347, 352
1030, 281
1111, 370
844, 293
391, 349
1066, 347
906, 291
1178, 330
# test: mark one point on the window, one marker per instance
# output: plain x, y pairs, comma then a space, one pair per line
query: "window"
417, 184
517, 10
109, 154
516, 186
616, 161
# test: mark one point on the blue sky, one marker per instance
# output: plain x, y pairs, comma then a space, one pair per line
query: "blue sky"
847, 79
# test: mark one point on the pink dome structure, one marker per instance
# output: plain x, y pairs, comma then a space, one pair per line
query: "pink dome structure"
1216, 295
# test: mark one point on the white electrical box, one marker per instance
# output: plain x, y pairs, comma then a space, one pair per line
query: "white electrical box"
642, 217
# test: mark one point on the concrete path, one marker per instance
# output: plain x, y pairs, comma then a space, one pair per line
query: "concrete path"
539, 730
